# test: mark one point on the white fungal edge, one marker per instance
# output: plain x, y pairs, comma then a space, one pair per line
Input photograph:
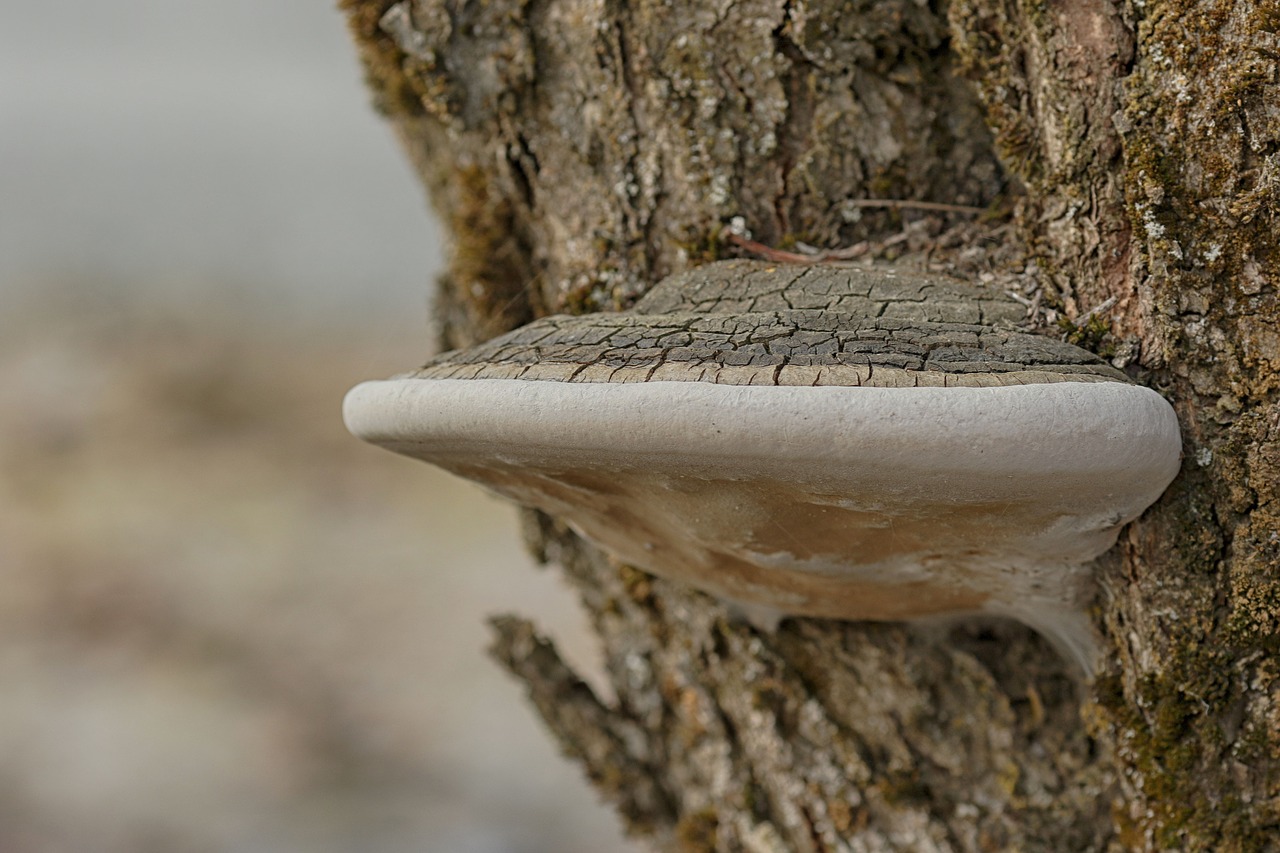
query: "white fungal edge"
1018, 430
1103, 450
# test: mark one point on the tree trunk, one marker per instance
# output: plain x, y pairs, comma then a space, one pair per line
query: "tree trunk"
1129, 160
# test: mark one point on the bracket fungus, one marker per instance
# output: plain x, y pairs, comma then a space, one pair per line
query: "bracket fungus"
817, 441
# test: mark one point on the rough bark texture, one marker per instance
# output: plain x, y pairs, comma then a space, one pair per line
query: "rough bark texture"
580, 151
1168, 204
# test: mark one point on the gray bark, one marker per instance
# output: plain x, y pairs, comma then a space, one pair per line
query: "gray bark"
1130, 154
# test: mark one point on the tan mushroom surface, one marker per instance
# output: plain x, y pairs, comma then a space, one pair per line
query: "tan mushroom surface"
819, 441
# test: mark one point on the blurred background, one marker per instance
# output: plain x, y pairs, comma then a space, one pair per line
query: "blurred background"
224, 624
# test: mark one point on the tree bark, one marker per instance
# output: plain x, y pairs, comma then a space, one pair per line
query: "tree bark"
1128, 156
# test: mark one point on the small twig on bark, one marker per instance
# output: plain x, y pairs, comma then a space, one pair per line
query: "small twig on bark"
767, 252
1104, 305
782, 256
848, 253
907, 204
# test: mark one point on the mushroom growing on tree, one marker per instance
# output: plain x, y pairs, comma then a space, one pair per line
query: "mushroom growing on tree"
820, 441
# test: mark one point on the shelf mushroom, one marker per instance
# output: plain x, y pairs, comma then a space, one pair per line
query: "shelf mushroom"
817, 441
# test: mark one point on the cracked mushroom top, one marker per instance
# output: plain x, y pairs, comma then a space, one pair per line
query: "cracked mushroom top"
746, 323
814, 441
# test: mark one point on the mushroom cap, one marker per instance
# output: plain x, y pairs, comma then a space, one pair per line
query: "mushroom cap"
870, 463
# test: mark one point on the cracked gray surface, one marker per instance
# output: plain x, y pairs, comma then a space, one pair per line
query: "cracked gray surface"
755, 323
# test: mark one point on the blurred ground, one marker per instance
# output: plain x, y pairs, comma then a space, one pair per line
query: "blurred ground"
227, 626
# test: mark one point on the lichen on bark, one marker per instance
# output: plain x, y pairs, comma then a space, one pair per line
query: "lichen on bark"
1191, 703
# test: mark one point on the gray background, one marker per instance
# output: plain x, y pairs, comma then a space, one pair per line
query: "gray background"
224, 624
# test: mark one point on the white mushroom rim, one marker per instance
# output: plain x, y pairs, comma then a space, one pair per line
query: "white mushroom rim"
831, 501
